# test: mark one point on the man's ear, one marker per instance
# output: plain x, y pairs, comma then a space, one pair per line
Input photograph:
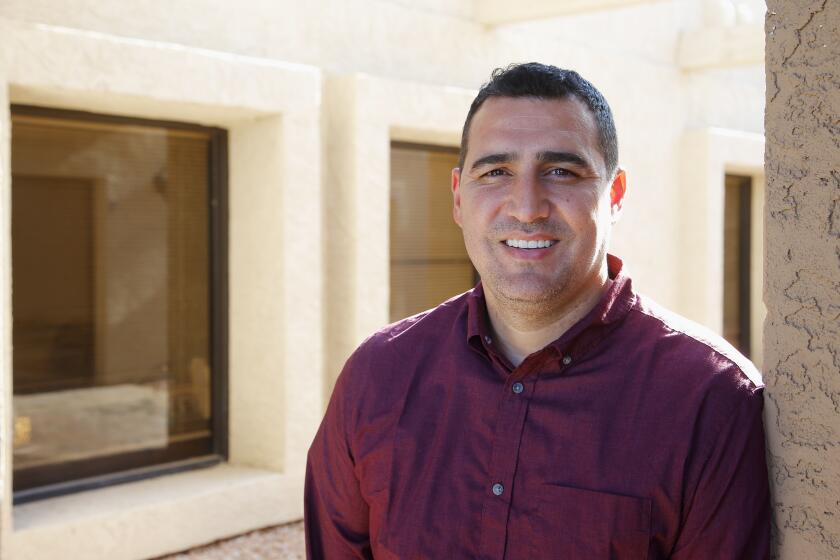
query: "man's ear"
617, 191
456, 195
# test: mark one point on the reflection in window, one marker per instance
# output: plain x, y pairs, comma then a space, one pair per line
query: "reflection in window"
111, 295
429, 263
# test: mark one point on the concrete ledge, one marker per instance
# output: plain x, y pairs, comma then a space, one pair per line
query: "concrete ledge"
156, 516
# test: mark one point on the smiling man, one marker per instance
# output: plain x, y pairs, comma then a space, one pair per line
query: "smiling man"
536, 201
550, 412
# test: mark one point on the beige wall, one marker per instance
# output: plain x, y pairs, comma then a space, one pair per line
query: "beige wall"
802, 286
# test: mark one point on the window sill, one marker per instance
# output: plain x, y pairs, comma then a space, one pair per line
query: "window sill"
156, 516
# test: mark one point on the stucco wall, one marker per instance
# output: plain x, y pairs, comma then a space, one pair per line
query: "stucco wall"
802, 285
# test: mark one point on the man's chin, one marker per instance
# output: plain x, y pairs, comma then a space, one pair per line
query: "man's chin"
529, 290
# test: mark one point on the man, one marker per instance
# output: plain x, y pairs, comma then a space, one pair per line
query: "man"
550, 412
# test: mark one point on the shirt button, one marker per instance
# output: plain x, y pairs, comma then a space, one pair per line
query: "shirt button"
488, 340
517, 387
498, 489
567, 360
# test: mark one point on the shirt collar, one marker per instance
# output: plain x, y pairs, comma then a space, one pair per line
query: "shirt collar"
617, 300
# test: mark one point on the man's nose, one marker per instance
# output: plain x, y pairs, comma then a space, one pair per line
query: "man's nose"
528, 200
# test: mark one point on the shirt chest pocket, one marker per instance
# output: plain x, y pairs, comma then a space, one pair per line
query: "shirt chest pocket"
572, 524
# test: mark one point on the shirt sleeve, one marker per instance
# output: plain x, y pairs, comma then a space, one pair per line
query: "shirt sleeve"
728, 516
335, 513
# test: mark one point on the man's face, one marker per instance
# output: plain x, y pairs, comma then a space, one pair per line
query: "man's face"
534, 200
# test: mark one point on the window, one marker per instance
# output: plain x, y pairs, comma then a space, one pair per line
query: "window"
118, 268
429, 263
737, 262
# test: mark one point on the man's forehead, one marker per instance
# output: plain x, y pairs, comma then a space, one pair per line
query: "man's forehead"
510, 123
523, 122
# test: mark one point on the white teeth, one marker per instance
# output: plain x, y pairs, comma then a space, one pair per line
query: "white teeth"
532, 244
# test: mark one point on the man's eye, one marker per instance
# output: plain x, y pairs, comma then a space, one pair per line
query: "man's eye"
560, 172
495, 173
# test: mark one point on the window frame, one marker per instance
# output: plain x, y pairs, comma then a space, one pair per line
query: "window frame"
218, 302
744, 185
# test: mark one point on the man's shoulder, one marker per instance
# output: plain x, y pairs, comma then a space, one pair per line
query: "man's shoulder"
702, 354
444, 320
375, 372
418, 333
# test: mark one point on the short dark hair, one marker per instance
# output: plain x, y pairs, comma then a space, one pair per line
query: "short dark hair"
544, 81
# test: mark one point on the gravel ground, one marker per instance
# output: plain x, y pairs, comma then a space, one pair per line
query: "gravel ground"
284, 542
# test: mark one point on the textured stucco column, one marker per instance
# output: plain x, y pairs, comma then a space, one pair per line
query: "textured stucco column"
802, 284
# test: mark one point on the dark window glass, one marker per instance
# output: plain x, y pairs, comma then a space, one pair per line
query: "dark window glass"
112, 290
736, 263
429, 263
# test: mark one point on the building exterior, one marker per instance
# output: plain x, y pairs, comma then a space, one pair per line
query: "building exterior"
234, 195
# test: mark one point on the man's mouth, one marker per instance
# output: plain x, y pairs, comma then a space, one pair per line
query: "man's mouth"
529, 244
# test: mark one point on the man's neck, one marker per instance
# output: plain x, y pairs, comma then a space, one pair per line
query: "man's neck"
520, 331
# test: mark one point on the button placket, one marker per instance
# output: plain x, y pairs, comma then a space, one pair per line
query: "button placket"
502, 466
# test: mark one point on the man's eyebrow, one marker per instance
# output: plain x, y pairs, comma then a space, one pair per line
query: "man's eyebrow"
563, 157
491, 159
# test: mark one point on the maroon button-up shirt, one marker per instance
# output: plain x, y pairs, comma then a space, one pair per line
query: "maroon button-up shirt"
636, 435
